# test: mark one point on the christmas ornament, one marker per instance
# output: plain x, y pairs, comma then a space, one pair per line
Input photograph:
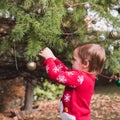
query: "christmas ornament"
93, 21
13, 18
118, 82
102, 37
114, 13
111, 49
70, 9
1, 30
31, 66
7, 14
87, 5
113, 34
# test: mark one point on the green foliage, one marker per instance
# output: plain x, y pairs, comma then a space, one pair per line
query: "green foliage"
33, 48
4, 45
27, 4
42, 23
43, 28
113, 62
18, 32
48, 90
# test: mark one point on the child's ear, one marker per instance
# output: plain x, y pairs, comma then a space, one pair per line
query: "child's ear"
86, 63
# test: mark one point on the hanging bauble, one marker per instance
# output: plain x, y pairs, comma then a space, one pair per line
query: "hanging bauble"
114, 13
113, 34
102, 37
111, 49
70, 10
87, 5
94, 22
118, 82
31, 66
1, 30
7, 14
13, 18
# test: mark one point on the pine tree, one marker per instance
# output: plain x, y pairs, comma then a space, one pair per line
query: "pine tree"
59, 25
27, 26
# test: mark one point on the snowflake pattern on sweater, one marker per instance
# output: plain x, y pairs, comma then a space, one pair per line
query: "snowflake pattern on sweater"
61, 79
67, 97
78, 91
80, 79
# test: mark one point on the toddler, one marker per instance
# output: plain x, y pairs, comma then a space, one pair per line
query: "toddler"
88, 61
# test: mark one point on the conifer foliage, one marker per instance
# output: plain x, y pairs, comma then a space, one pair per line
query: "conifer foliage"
27, 26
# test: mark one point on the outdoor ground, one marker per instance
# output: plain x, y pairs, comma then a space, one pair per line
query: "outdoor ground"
105, 105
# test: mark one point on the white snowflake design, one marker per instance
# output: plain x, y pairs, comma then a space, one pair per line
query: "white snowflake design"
61, 79
80, 79
55, 69
70, 73
67, 97
59, 67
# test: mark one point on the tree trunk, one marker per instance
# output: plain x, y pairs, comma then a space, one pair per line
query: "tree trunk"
28, 96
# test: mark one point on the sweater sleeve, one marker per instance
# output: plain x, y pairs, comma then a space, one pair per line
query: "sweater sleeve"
65, 77
60, 65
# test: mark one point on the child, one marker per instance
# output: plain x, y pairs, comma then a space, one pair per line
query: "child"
88, 61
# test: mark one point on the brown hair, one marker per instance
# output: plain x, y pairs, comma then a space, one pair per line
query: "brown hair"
94, 53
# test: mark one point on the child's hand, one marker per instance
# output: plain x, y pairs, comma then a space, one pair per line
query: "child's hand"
47, 53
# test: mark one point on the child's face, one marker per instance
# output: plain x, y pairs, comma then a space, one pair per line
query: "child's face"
76, 61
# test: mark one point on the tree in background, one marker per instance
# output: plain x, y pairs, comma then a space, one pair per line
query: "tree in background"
27, 26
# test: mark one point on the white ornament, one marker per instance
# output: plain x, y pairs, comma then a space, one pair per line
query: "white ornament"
31, 66
87, 5
113, 34
70, 9
111, 48
7, 14
13, 17
102, 37
114, 13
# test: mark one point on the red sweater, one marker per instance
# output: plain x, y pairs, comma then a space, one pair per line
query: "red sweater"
79, 87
